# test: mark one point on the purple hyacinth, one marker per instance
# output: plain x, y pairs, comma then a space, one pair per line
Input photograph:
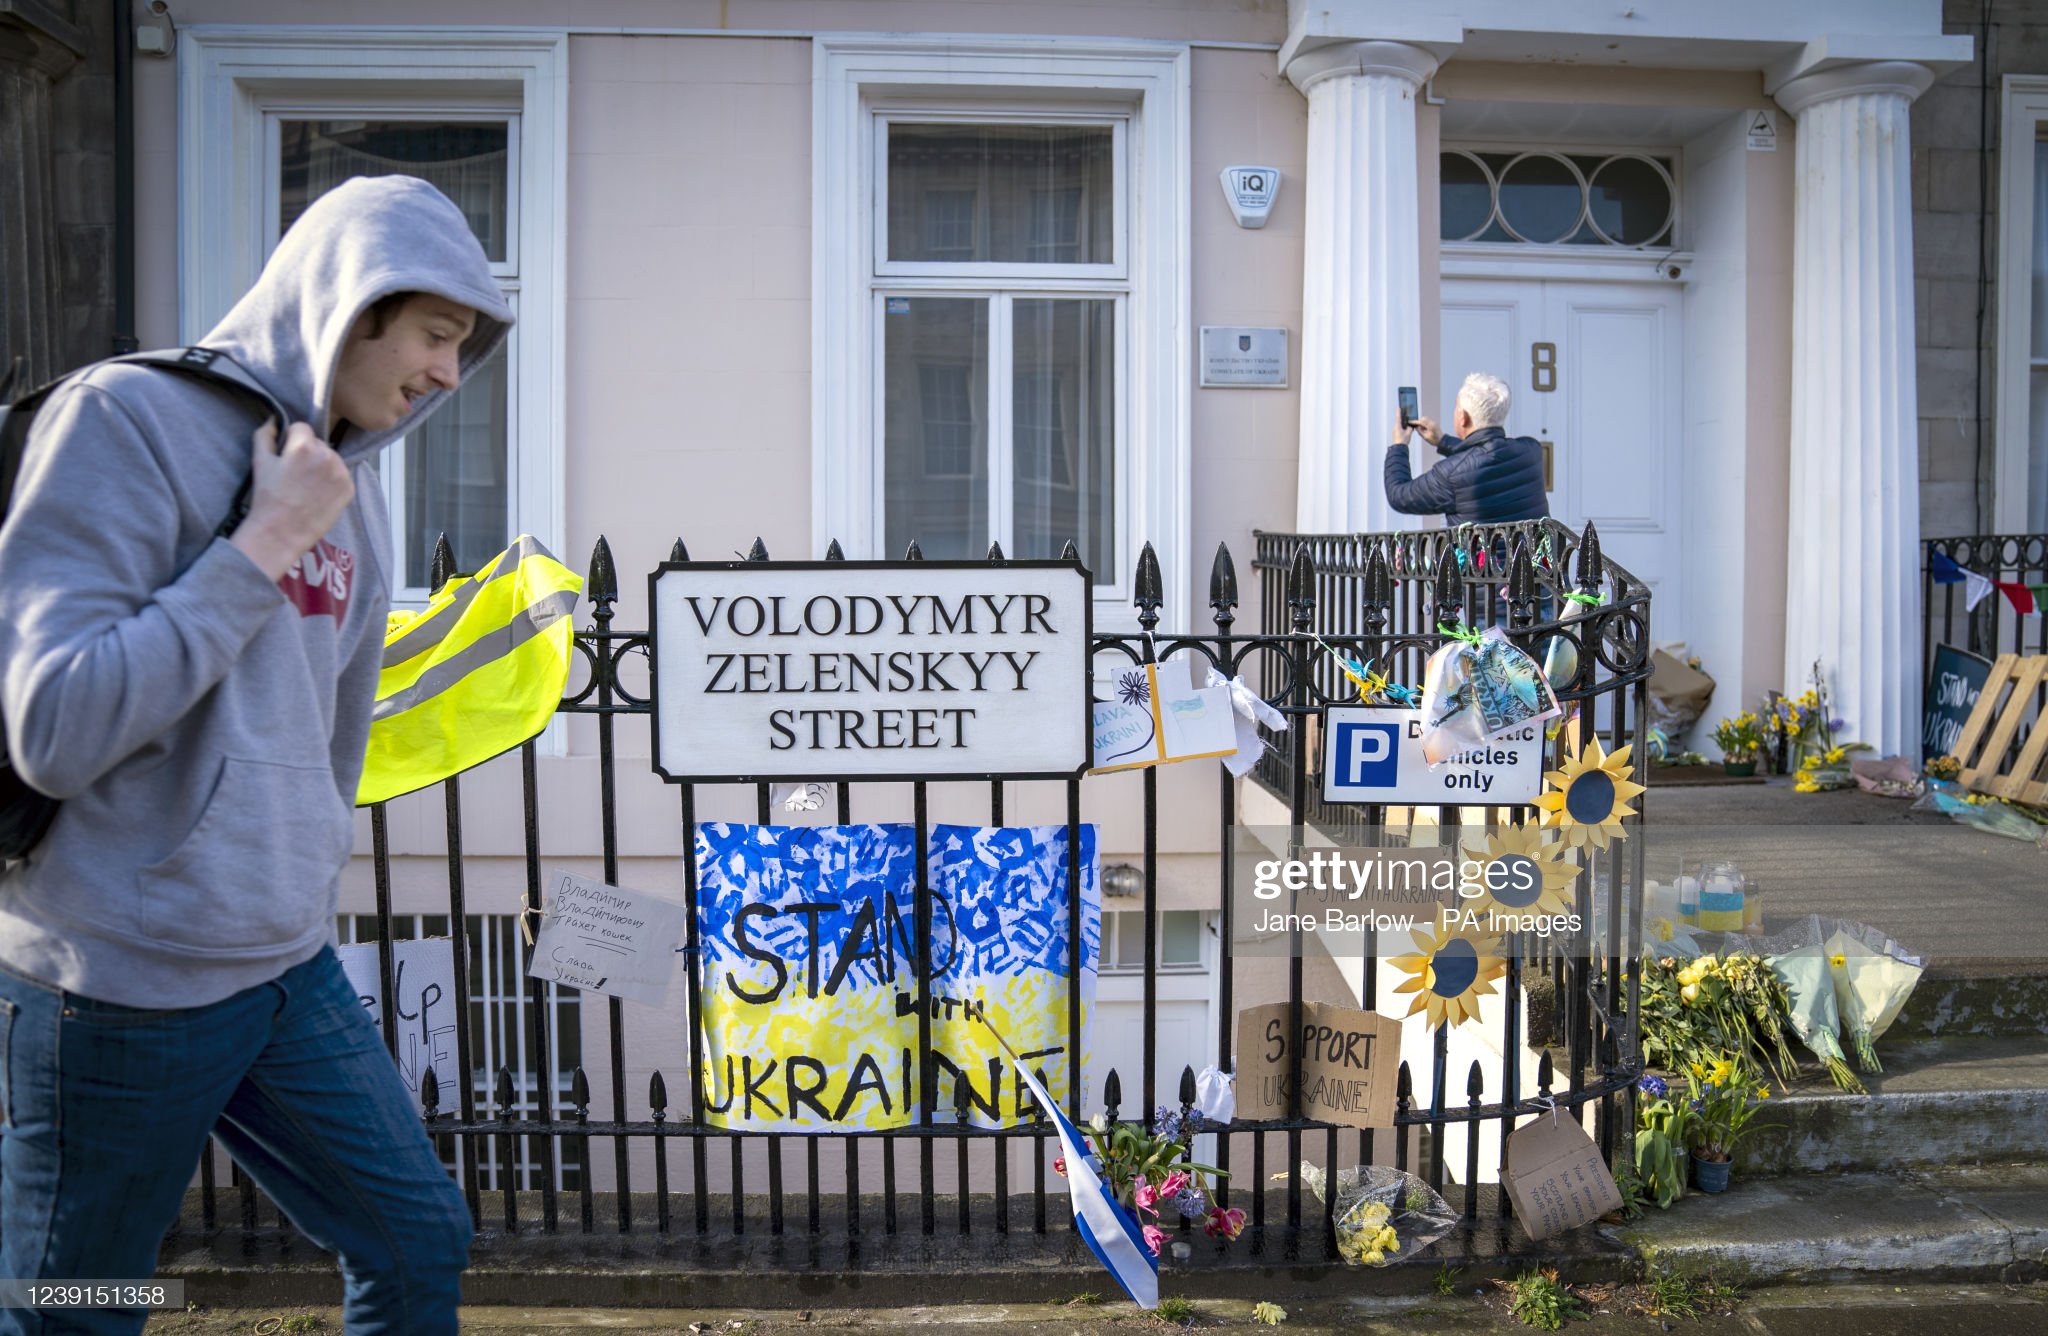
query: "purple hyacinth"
1166, 1122
1654, 1086
1190, 1202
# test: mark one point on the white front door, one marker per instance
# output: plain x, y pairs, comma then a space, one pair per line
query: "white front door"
1595, 372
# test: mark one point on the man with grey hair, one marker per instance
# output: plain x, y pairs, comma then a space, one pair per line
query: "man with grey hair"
1485, 475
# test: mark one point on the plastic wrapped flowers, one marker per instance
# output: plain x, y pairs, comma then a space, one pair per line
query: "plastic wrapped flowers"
1380, 1212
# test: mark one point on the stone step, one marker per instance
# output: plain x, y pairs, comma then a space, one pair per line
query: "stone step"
1980, 998
1940, 1102
1987, 1223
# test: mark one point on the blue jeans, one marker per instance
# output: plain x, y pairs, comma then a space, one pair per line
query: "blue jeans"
106, 1110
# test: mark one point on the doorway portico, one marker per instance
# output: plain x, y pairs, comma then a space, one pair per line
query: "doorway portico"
1777, 534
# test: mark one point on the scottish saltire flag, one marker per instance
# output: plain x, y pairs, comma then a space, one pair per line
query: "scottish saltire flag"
1105, 1227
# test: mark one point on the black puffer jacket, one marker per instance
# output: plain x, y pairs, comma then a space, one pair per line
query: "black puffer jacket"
1487, 478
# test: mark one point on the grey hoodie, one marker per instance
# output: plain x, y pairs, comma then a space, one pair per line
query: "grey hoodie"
205, 726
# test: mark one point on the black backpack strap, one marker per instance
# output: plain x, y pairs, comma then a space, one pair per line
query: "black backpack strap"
215, 365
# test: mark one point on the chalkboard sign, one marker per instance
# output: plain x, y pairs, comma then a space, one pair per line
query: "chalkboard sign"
1952, 690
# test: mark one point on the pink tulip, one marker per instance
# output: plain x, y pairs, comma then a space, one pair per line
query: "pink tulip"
1155, 1238
1225, 1223
1175, 1184
1146, 1196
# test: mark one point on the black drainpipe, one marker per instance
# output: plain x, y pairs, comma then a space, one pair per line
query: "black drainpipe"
124, 179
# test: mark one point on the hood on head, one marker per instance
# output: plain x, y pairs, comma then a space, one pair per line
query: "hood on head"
367, 238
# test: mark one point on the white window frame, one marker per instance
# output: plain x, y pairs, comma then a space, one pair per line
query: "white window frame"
2026, 110
238, 82
859, 80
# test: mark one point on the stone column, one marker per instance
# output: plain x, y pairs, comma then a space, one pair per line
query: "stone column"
1362, 290
30, 265
1853, 587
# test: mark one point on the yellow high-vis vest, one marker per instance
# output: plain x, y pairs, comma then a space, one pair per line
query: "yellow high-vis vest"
477, 672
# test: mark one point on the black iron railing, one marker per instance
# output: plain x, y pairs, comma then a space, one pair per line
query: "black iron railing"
1991, 628
1380, 598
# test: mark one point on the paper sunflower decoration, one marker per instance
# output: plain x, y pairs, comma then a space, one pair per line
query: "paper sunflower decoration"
1589, 796
1520, 872
1449, 975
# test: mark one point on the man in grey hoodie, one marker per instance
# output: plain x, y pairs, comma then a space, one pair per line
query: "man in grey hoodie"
200, 702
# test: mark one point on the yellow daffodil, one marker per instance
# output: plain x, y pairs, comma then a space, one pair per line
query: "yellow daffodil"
1663, 930
1836, 755
1838, 960
1763, 1092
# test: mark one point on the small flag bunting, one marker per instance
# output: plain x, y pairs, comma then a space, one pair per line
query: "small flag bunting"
2026, 599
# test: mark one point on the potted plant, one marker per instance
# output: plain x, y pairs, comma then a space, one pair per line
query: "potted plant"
1726, 1095
1741, 741
1661, 1123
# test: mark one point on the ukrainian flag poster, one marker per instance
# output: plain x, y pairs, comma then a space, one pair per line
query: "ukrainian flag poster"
810, 990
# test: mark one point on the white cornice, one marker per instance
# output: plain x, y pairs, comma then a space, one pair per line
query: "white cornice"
1938, 53
1398, 60
1907, 79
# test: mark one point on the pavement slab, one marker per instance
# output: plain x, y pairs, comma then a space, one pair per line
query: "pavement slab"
1868, 1309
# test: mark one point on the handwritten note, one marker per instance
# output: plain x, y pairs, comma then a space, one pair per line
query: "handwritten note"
606, 940
1350, 1061
1556, 1177
423, 975
1160, 714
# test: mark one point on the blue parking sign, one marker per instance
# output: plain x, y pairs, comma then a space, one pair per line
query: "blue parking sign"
1367, 755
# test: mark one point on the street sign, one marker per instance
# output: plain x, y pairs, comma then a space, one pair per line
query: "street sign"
813, 671
1375, 756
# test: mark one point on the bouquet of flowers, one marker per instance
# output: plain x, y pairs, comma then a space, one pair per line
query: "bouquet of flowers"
1740, 738
1805, 724
1798, 957
1381, 1211
1715, 1004
1873, 978
1151, 1172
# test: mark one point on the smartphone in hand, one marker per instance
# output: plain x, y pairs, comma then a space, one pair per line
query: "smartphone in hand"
1411, 406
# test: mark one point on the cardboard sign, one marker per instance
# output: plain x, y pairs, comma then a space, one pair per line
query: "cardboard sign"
1953, 685
423, 976
1350, 1061
1160, 715
1374, 755
1556, 1177
606, 940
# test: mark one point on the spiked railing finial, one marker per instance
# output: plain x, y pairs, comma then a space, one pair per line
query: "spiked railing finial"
602, 587
1223, 588
441, 569
1148, 598
1301, 589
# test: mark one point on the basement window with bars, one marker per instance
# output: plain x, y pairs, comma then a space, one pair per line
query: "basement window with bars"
501, 1035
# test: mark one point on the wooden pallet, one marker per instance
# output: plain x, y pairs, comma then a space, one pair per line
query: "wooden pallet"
1986, 740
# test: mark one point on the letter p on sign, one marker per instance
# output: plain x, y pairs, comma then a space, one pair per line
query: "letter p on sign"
1369, 754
